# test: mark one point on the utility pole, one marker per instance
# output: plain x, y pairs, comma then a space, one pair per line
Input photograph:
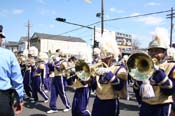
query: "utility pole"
28, 34
95, 42
171, 16
102, 17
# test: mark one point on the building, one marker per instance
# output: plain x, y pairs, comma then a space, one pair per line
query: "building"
23, 43
68, 45
124, 42
11, 45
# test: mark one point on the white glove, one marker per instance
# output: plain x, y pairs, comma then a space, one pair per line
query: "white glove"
102, 70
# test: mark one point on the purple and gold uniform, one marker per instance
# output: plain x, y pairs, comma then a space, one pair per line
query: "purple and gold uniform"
107, 86
37, 82
107, 81
46, 77
58, 87
162, 80
163, 83
27, 79
81, 96
81, 99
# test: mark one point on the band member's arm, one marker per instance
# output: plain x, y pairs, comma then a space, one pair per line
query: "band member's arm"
172, 77
120, 78
161, 79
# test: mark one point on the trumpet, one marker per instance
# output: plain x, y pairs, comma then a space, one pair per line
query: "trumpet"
65, 69
84, 72
81, 69
95, 68
140, 66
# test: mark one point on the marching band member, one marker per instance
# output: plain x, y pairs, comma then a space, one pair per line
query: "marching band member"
27, 77
81, 96
158, 102
37, 73
71, 63
80, 79
107, 82
129, 80
58, 87
22, 57
96, 59
29, 63
45, 77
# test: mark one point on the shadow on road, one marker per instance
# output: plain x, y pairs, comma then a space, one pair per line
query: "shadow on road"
38, 115
128, 107
37, 105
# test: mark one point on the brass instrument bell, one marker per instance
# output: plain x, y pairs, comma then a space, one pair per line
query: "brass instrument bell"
140, 66
82, 70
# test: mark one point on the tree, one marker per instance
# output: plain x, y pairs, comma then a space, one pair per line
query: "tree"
135, 44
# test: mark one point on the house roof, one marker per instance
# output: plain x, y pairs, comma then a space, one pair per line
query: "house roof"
12, 43
56, 37
23, 38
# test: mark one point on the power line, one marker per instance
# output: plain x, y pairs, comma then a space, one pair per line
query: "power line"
80, 28
119, 18
137, 15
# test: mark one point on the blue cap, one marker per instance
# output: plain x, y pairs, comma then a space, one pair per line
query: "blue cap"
1, 33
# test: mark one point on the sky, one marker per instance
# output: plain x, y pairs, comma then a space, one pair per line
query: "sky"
15, 14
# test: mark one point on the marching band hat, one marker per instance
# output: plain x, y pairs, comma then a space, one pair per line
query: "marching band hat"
1, 33
108, 46
33, 51
160, 39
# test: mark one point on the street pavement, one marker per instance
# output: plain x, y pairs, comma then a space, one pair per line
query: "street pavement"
127, 107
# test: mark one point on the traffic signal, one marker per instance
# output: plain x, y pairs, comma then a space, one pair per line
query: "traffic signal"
96, 44
61, 19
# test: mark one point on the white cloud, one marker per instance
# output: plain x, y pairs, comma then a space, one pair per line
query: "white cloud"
42, 1
88, 1
135, 14
153, 4
51, 26
112, 9
17, 11
151, 20
6, 12
47, 12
